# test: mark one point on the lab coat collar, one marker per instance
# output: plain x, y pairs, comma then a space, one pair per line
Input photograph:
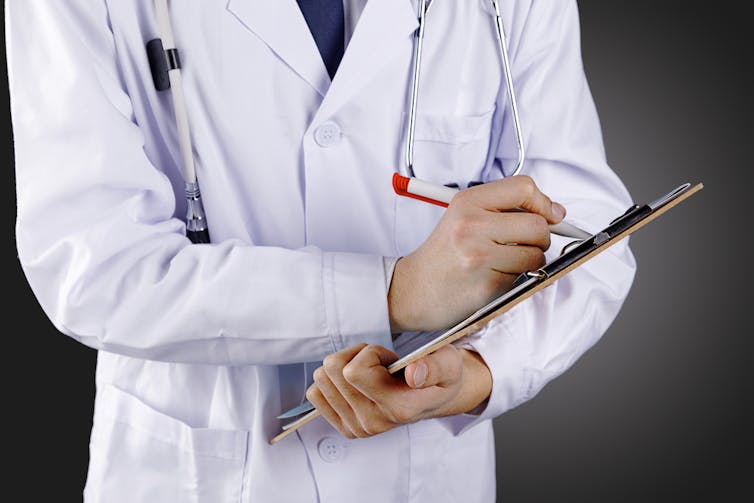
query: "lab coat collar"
384, 28
383, 32
281, 25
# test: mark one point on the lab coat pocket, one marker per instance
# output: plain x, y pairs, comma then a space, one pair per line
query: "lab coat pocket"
451, 148
448, 149
141, 455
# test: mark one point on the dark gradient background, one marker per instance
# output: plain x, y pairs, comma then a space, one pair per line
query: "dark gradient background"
662, 408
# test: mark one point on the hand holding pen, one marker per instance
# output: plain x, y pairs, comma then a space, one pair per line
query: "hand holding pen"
441, 195
481, 244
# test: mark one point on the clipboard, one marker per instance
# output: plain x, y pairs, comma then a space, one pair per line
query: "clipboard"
526, 285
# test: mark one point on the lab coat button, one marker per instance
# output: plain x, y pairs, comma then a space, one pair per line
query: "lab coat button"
331, 450
327, 135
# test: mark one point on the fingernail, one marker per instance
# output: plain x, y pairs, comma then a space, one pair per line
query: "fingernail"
420, 375
558, 211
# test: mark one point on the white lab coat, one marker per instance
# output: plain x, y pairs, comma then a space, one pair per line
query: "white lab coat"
201, 346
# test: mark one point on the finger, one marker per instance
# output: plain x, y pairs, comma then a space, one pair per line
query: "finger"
367, 372
359, 413
399, 403
337, 402
509, 259
334, 366
315, 396
519, 228
346, 354
509, 193
442, 368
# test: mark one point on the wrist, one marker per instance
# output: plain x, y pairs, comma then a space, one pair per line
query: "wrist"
476, 385
397, 298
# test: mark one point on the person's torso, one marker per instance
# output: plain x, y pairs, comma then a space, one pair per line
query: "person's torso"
285, 158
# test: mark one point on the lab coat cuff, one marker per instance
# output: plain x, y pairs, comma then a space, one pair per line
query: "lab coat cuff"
502, 346
356, 300
389, 263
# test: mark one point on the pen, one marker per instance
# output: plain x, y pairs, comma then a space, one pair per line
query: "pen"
441, 196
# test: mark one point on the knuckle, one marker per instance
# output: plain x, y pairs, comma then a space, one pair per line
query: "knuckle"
351, 373
452, 354
527, 185
399, 414
474, 222
312, 394
371, 348
371, 427
542, 229
539, 224
462, 198
458, 234
402, 416
455, 370
546, 201
463, 228
319, 375
471, 261
536, 227
546, 242
331, 363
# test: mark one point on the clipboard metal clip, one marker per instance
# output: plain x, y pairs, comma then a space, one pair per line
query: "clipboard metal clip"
539, 274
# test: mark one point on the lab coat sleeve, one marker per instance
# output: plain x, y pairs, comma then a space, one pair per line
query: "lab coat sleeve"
543, 336
99, 243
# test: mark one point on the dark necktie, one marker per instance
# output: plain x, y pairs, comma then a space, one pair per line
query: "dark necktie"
325, 20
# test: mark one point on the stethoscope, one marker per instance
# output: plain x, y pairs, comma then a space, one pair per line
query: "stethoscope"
503, 50
164, 60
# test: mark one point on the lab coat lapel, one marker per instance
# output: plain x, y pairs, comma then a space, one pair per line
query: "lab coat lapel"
384, 31
281, 25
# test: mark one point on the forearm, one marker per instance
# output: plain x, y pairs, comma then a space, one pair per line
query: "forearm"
100, 244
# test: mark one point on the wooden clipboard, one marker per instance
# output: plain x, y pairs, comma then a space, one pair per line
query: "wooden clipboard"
530, 283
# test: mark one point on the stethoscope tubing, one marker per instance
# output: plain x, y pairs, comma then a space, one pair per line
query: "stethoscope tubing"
503, 49
416, 70
507, 77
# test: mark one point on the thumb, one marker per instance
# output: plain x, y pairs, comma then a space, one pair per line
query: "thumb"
442, 368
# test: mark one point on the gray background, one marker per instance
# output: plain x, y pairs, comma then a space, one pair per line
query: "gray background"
661, 409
